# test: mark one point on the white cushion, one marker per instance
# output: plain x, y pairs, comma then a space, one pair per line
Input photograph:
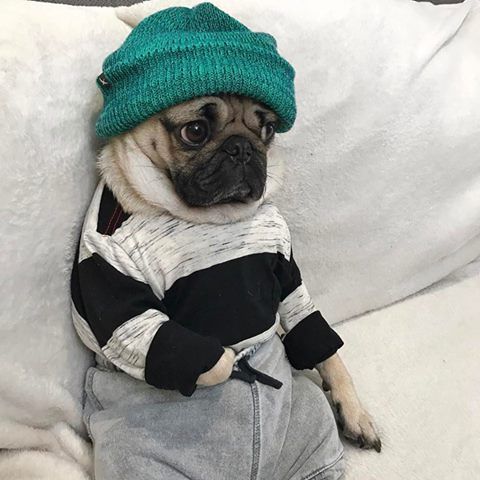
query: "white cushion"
416, 365
50, 56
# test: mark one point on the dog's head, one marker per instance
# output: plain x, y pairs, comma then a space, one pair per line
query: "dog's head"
216, 149
198, 159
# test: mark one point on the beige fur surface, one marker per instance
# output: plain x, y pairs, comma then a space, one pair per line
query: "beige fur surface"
136, 166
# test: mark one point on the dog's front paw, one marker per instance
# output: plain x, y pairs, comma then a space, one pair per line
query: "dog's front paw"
356, 424
220, 372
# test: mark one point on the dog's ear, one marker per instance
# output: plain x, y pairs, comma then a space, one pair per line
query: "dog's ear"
134, 14
129, 17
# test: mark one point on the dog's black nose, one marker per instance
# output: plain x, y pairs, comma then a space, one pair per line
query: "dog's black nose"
238, 148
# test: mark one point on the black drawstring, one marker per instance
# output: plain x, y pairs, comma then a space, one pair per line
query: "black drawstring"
248, 374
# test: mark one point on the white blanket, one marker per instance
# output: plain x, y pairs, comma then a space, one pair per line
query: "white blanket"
39, 425
49, 55
382, 195
417, 366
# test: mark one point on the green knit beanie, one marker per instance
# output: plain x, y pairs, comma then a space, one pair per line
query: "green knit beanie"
181, 53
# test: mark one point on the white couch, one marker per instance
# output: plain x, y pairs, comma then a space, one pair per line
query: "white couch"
382, 193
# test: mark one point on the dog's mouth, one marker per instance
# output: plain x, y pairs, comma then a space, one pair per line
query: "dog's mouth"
244, 194
222, 180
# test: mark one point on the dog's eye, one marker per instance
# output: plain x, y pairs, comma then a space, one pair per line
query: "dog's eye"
267, 131
195, 133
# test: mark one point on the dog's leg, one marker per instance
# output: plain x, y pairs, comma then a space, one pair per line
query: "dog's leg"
353, 419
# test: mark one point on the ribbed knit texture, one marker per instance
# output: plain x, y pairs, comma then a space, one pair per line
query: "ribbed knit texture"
181, 53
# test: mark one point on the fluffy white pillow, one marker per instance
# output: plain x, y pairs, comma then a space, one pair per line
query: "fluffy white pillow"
50, 56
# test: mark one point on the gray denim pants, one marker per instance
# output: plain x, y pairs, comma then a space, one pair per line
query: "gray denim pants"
233, 431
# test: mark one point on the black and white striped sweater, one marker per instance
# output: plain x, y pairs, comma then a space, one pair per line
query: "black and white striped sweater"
158, 296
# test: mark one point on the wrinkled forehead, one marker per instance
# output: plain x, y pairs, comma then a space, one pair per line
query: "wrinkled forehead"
223, 108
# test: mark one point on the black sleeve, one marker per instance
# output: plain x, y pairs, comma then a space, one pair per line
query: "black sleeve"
178, 356
309, 339
311, 342
119, 309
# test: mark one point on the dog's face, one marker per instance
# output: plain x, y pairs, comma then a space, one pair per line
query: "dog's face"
213, 149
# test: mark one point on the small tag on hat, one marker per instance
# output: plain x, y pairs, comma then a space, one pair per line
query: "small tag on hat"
103, 81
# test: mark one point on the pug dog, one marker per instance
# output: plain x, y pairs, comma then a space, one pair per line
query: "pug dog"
207, 161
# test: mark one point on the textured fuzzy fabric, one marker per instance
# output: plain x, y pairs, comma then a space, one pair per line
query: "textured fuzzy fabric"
48, 103
416, 364
382, 198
